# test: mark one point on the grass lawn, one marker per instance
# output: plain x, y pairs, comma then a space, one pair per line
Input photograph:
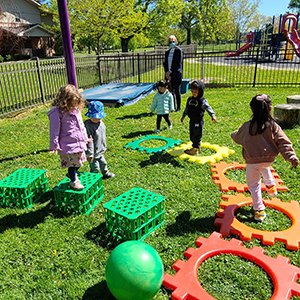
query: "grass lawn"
46, 254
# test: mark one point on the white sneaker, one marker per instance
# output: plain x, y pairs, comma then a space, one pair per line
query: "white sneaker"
170, 127
76, 185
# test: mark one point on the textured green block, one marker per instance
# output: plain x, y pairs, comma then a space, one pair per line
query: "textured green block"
79, 202
23, 187
134, 214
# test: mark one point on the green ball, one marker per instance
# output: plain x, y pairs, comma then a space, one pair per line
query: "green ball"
134, 270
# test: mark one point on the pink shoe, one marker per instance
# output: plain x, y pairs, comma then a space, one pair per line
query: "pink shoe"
76, 185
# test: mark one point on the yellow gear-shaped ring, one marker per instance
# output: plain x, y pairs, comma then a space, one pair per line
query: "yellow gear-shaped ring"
220, 153
229, 224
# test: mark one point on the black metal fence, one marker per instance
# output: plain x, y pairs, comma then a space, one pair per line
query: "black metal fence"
34, 82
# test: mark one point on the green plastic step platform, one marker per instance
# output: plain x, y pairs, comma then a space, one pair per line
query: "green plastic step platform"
79, 202
134, 214
23, 187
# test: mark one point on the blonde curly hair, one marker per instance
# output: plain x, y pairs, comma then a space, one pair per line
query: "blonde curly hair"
68, 97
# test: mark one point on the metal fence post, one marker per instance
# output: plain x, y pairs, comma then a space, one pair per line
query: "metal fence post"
139, 73
99, 69
255, 70
40, 79
119, 66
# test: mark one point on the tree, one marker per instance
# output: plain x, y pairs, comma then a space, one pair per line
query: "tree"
202, 18
162, 20
242, 13
294, 5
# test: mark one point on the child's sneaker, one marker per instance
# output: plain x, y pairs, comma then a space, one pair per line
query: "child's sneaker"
76, 185
272, 190
157, 131
192, 151
170, 127
259, 215
108, 175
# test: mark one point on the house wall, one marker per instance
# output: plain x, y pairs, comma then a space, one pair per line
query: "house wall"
19, 11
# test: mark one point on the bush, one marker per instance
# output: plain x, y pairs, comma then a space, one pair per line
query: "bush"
1, 59
21, 56
8, 57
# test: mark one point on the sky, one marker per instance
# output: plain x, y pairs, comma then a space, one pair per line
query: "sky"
272, 8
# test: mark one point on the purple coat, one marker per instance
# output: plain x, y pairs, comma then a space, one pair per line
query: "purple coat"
67, 131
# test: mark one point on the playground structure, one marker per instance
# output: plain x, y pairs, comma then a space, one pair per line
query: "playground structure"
280, 36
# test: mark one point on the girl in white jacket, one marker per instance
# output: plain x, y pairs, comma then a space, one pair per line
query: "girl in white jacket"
163, 104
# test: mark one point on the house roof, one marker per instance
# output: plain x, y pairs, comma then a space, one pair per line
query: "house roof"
34, 2
30, 30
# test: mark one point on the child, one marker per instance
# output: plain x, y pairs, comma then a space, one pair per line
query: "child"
195, 108
262, 139
67, 132
96, 132
163, 104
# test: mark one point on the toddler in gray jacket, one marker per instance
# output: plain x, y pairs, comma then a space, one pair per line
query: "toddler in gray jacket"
96, 131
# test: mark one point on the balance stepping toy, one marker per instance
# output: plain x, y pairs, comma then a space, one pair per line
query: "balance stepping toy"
23, 187
134, 214
79, 202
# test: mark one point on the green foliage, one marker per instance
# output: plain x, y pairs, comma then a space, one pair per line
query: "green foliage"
295, 5
46, 254
1, 59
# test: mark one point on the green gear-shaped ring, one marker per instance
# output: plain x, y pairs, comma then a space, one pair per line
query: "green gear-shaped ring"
170, 143
220, 153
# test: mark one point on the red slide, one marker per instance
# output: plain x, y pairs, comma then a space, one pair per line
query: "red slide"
240, 51
294, 40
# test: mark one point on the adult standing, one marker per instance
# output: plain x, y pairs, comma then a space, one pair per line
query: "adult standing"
173, 69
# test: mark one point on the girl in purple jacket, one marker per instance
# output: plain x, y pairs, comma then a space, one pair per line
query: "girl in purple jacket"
68, 136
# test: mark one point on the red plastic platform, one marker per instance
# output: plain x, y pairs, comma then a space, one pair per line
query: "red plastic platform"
185, 283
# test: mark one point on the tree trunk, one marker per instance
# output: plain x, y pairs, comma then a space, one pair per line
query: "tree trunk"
188, 37
124, 43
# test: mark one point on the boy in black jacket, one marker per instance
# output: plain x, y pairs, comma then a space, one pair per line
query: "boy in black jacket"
195, 108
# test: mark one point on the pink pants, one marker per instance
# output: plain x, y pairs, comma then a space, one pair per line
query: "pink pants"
253, 172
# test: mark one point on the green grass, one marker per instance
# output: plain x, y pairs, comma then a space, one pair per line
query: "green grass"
46, 254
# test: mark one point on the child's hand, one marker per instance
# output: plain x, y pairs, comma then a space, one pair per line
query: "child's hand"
172, 111
295, 162
89, 140
54, 151
182, 119
90, 159
214, 119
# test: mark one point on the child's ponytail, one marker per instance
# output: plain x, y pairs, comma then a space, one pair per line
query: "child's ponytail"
261, 106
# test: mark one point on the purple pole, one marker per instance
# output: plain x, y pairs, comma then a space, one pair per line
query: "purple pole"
67, 43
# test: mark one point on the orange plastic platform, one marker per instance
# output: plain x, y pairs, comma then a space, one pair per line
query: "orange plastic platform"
185, 283
229, 224
227, 184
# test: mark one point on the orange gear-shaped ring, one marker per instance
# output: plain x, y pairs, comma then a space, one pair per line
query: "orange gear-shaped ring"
185, 283
227, 184
229, 224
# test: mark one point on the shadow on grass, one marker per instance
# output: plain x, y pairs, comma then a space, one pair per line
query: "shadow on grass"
164, 157
137, 134
184, 224
30, 219
23, 155
138, 116
102, 237
99, 291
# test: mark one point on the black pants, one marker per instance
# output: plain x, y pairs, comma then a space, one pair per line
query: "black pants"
196, 130
176, 91
158, 120
72, 171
